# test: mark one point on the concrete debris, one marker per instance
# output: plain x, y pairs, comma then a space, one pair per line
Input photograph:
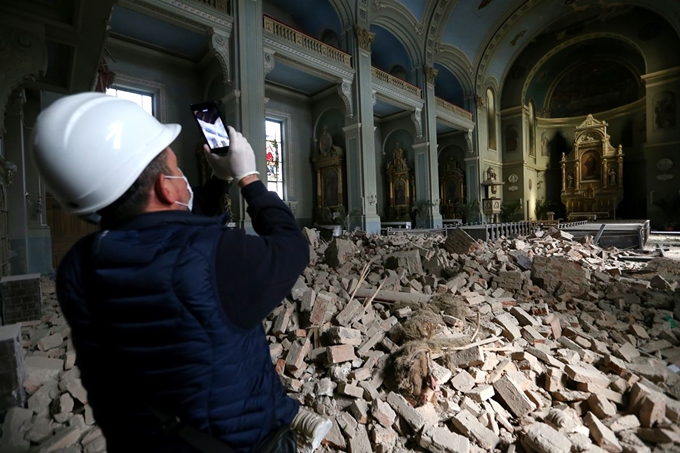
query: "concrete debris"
442, 344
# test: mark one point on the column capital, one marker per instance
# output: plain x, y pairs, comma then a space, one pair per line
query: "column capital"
364, 37
430, 74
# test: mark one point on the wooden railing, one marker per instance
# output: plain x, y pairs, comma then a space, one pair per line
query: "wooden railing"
290, 34
396, 82
222, 5
454, 109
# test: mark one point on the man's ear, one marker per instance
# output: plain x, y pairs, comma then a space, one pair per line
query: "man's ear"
164, 191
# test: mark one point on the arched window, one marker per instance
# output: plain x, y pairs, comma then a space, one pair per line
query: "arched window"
330, 37
491, 118
274, 151
532, 129
399, 72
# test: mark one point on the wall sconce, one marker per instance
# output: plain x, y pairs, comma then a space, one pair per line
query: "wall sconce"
539, 185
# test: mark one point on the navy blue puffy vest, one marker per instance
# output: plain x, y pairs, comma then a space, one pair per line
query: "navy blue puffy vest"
161, 336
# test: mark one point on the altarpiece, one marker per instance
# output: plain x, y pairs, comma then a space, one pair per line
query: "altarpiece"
400, 187
592, 174
452, 188
328, 163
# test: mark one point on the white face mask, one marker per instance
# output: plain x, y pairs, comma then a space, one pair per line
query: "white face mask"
190, 203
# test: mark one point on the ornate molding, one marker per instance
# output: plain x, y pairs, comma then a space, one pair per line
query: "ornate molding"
430, 74
311, 63
165, 8
23, 56
417, 118
378, 5
364, 37
498, 36
219, 46
345, 93
269, 61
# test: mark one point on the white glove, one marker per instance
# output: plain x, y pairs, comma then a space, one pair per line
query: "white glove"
218, 164
240, 158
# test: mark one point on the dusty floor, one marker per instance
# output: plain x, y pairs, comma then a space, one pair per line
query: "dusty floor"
670, 243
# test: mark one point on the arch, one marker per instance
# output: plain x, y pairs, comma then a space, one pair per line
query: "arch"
458, 63
403, 28
534, 70
398, 71
344, 10
317, 124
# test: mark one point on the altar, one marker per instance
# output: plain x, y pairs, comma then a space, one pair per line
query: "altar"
592, 174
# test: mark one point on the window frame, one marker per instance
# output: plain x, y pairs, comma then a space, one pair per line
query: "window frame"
283, 120
156, 90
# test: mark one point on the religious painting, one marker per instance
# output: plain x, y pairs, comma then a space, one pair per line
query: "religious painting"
594, 85
511, 136
664, 111
330, 187
590, 165
399, 193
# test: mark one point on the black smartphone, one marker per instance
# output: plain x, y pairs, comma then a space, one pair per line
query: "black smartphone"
209, 120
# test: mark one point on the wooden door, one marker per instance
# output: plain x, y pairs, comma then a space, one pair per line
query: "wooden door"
66, 229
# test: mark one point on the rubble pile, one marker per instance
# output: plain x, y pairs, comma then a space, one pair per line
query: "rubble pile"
441, 344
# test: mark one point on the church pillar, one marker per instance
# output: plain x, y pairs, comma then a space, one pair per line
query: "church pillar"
16, 199
663, 138
426, 159
360, 138
247, 99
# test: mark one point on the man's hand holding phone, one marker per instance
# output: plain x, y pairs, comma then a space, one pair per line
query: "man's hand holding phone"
238, 163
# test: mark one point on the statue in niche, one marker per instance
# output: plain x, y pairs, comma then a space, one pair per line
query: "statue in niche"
545, 145
570, 180
664, 111
511, 136
612, 176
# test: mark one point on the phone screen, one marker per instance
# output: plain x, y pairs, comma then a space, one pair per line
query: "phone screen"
214, 130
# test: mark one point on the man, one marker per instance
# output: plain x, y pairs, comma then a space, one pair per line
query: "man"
165, 306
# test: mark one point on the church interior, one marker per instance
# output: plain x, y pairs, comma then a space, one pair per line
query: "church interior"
373, 112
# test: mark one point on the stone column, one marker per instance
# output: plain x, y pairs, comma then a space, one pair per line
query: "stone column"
473, 174
39, 239
359, 137
250, 84
16, 199
426, 156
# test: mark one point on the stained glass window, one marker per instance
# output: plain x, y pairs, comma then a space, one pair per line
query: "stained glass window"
274, 132
145, 101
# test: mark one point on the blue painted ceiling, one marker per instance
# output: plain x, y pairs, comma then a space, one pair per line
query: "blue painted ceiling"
312, 16
417, 7
448, 87
135, 26
388, 51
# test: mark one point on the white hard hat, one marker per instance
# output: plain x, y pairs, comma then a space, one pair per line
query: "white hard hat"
90, 148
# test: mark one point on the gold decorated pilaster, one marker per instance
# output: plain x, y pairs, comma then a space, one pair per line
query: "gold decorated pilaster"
364, 37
